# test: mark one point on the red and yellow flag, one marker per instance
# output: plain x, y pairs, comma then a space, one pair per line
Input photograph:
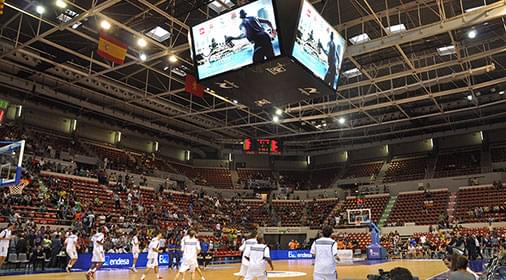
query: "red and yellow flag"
112, 49
191, 86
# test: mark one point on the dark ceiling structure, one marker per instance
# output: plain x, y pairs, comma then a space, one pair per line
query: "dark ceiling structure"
412, 69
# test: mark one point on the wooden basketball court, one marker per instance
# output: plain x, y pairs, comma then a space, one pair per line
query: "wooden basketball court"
425, 269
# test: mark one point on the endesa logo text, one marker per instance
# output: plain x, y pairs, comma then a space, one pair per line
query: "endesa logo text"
116, 261
299, 255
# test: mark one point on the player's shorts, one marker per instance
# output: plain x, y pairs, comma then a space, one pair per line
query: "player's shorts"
321, 276
72, 253
4, 250
98, 256
258, 275
135, 254
243, 271
188, 266
152, 263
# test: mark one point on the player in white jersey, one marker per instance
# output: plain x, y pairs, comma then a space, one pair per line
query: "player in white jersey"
71, 249
244, 262
190, 246
153, 250
325, 251
258, 255
5, 238
98, 257
135, 250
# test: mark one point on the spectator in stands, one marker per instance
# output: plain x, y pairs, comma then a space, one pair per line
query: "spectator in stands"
38, 257
400, 273
460, 270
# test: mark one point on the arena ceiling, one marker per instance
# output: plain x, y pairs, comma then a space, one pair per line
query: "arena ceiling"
397, 84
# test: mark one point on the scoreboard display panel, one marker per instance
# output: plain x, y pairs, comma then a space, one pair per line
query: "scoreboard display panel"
262, 146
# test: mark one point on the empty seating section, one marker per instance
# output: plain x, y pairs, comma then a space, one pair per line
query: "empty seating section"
406, 169
419, 207
490, 199
498, 154
251, 173
324, 177
295, 178
458, 163
217, 177
376, 203
116, 159
363, 169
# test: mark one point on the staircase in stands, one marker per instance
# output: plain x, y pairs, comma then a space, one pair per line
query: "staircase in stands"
234, 176
382, 172
387, 211
451, 205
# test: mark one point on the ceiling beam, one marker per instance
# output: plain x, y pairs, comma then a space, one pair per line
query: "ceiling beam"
478, 16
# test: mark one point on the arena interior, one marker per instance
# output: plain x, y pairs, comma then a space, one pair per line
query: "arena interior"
136, 124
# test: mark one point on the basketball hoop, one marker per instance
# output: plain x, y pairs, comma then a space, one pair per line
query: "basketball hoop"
18, 189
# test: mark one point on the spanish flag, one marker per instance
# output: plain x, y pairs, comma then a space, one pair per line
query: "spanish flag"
191, 86
112, 49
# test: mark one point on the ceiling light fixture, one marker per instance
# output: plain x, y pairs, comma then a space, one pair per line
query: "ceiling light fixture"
143, 57
142, 42
275, 119
104, 24
341, 120
172, 58
61, 4
472, 34
40, 9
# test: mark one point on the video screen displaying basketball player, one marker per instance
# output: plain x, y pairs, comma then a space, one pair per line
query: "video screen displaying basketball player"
236, 39
318, 46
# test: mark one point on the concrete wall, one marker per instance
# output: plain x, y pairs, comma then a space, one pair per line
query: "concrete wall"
369, 153
253, 161
210, 163
339, 157
412, 147
459, 140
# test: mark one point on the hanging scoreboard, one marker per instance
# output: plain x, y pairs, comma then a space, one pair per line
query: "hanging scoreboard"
262, 146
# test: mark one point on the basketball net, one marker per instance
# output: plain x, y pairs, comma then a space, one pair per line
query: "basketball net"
18, 189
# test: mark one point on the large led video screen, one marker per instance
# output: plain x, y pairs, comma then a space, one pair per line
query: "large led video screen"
318, 46
238, 38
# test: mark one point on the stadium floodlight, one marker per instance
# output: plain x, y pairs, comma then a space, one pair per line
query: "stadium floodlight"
142, 42
143, 57
40, 9
275, 119
469, 97
105, 25
279, 112
172, 58
341, 120
60, 4
472, 34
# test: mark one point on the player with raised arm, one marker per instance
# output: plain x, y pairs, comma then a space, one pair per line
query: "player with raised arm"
333, 59
325, 251
191, 248
245, 245
71, 249
258, 255
251, 28
153, 250
98, 257
5, 238
135, 250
